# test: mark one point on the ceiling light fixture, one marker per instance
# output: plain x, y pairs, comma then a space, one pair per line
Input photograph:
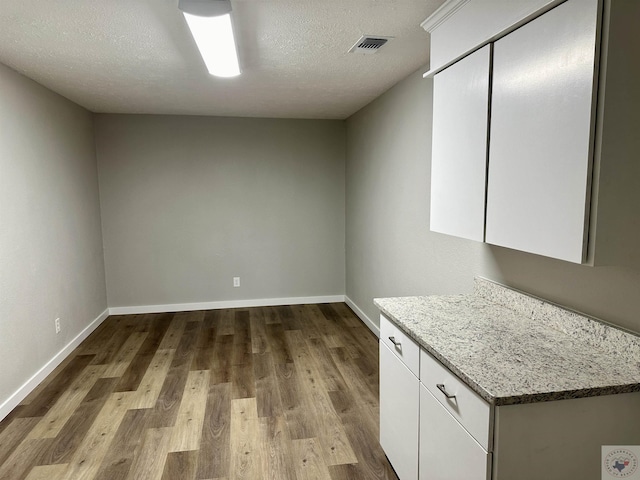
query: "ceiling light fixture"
210, 25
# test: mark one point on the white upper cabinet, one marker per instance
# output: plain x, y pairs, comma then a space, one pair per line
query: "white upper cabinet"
563, 122
541, 133
459, 148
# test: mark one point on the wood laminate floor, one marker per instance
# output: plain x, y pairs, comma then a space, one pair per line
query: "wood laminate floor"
261, 393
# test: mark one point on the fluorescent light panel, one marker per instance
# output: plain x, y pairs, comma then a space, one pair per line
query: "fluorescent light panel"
214, 38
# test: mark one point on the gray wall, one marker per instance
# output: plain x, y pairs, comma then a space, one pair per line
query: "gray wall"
50, 240
190, 202
390, 250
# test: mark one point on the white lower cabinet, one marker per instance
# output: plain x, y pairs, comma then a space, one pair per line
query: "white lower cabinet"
433, 426
447, 451
399, 414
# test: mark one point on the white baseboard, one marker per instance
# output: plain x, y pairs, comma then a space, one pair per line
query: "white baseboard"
14, 400
189, 307
358, 311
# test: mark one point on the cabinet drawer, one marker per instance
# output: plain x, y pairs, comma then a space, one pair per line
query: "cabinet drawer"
473, 413
447, 451
398, 342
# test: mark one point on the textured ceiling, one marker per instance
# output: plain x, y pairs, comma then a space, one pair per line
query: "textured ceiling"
138, 56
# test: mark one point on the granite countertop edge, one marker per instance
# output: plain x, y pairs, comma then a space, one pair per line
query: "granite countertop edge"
503, 400
477, 388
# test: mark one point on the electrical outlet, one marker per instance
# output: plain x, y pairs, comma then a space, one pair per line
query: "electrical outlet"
58, 325
236, 281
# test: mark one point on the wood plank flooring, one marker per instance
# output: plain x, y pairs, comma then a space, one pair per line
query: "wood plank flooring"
277, 393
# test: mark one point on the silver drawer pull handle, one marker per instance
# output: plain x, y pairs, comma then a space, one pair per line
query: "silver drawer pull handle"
393, 340
442, 389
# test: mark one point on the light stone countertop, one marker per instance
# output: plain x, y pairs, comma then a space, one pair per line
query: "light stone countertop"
513, 348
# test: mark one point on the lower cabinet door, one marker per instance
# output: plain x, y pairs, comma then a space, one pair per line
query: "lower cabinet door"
447, 451
399, 415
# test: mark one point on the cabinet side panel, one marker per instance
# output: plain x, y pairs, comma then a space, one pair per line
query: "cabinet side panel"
541, 119
459, 149
562, 439
617, 193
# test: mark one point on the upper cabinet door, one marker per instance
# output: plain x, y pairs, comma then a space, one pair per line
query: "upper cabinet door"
541, 133
459, 150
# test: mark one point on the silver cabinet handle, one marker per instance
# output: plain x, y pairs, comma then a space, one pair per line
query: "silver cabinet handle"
393, 340
442, 389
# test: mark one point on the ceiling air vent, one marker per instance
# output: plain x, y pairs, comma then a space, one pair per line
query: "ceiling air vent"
369, 44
